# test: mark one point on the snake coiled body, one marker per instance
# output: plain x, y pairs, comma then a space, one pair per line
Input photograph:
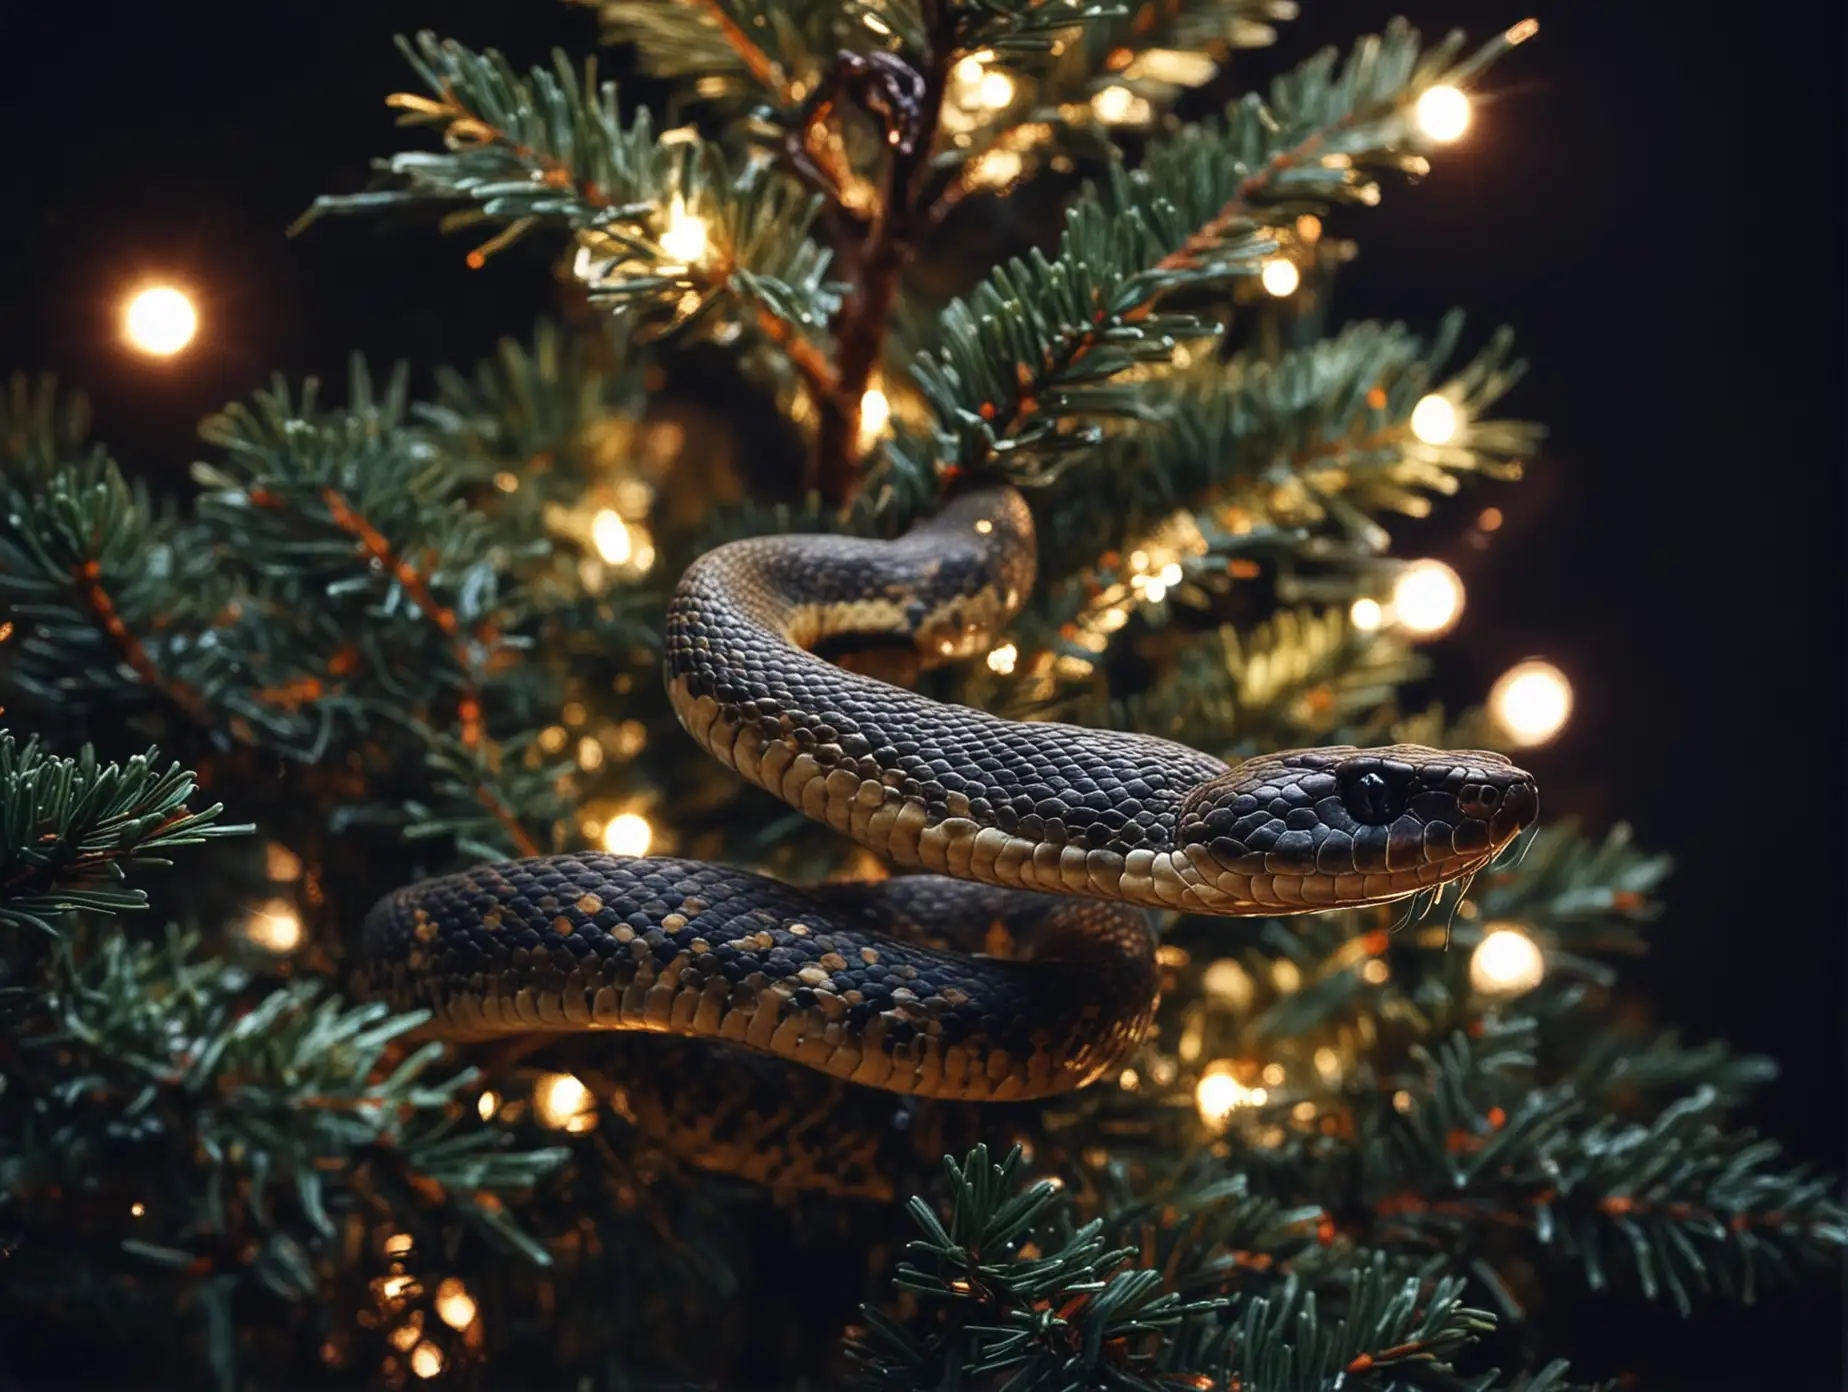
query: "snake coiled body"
1022, 964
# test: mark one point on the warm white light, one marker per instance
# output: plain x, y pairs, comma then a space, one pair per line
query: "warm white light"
1506, 963
1178, 66
426, 1360
1427, 598
875, 416
1118, 106
487, 1104
1434, 420
159, 321
454, 1305
995, 90
1227, 983
1442, 114
1001, 660
1366, 614
994, 169
138, 1209
562, 1102
275, 926
1218, 1095
1171, 573
685, 238
610, 535
1531, 702
628, 834
1280, 277
1155, 591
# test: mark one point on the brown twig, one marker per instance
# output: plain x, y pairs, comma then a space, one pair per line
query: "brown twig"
1185, 256
897, 229
89, 580
756, 61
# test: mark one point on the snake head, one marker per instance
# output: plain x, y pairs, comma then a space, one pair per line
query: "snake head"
1341, 827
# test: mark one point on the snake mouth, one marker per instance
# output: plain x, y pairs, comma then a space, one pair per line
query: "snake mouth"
1312, 830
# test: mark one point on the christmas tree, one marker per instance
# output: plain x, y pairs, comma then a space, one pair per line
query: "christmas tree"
836, 266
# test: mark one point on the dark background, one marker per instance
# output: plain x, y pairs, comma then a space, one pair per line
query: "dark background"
1654, 203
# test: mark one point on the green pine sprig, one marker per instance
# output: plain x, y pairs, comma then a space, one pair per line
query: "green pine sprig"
71, 830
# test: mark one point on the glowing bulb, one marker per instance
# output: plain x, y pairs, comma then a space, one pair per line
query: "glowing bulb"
398, 1244
1219, 1095
454, 1305
1366, 615
995, 90
487, 1104
1442, 114
995, 169
159, 321
685, 238
1171, 573
284, 866
1280, 277
561, 1102
1227, 983
1506, 963
1426, 598
875, 416
1434, 420
1118, 106
1531, 702
1001, 660
138, 1208
610, 535
275, 926
426, 1360
628, 834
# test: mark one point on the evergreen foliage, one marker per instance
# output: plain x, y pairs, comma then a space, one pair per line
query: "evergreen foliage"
404, 635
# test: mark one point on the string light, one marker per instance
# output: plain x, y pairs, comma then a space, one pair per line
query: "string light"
1227, 983
426, 1360
1366, 614
610, 535
1489, 519
1427, 598
1001, 660
628, 834
1118, 106
1279, 276
455, 1307
685, 238
974, 86
994, 169
274, 926
1530, 702
1174, 66
1434, 419
159, 320
875, 416
1506, 962
398, 1244
487, 1104
138, 1209
1442, 113
1218, 1095
563, 1103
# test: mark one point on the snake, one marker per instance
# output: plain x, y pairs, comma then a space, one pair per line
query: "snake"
1014, 955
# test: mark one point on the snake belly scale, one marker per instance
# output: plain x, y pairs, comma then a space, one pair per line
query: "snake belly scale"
1022, 963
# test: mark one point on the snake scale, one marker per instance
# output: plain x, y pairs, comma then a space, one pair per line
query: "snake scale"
1020, 964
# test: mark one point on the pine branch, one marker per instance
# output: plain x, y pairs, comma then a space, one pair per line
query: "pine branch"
108, 599
992, 1305
1038, 343
1678, 1203
40, 425
732, 49
71, 830
225, 1135
552, 149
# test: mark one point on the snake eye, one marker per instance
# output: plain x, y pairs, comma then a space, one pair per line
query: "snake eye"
1370, 800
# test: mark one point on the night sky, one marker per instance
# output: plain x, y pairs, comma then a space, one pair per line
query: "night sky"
1653, 203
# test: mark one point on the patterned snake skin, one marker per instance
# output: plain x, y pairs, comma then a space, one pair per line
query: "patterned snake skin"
1025, 966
